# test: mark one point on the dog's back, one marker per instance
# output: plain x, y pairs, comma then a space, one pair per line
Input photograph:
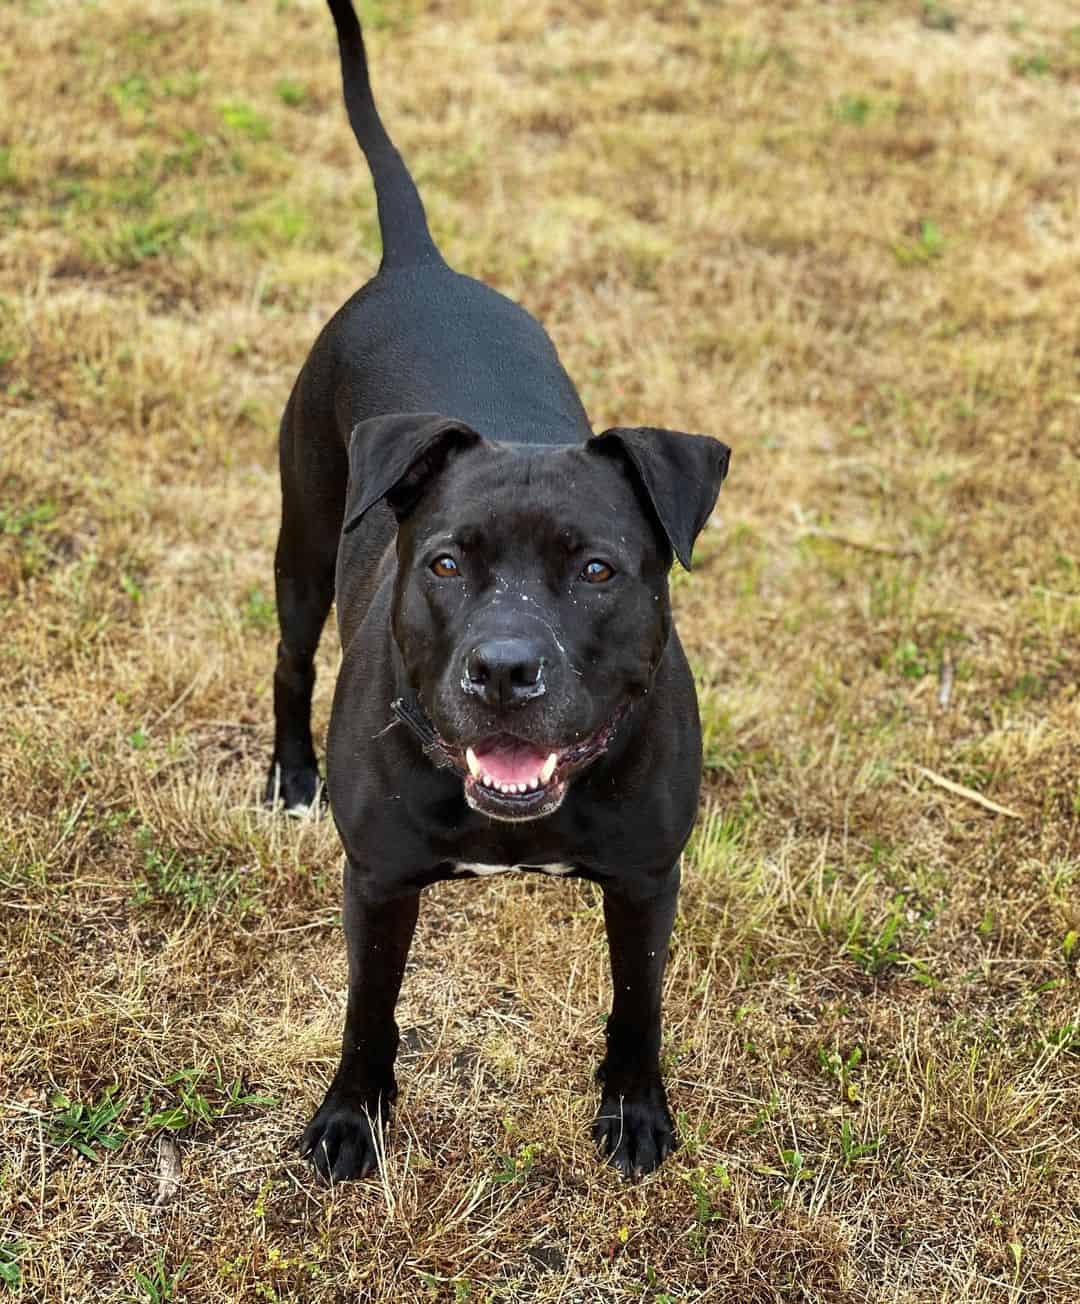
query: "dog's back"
420, 336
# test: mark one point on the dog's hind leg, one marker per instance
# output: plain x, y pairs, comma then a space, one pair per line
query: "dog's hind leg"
313, 477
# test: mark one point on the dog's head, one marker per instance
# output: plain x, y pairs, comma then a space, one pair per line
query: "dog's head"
531, 604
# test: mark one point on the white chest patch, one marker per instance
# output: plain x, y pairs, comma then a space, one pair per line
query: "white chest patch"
475, 867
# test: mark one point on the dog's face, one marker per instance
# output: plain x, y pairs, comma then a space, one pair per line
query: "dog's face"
531, 602
530, 609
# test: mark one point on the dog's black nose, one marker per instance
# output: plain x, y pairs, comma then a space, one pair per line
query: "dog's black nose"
505, 672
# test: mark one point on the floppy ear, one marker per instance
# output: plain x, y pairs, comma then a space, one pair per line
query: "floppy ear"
681, 475
394, 457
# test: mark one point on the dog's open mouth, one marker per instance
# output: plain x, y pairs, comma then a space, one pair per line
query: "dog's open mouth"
507, 777
511, 779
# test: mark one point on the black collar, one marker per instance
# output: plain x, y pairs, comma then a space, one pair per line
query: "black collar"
410, 712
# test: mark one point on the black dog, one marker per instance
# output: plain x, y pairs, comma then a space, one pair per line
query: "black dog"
501, 584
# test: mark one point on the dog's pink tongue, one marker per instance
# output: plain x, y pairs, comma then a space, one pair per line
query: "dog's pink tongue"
507, 760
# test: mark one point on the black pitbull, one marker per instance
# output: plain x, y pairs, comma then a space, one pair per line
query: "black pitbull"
502, 599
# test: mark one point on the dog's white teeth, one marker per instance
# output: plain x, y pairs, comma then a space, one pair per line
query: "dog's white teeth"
511, 789
472, 762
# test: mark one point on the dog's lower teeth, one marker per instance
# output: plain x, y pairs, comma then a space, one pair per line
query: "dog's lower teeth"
514, 789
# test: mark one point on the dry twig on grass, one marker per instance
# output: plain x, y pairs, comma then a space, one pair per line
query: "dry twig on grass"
170, 1170
879, 549
946, 676
969, 794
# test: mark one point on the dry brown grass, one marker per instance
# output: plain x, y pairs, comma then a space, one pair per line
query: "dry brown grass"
843, 237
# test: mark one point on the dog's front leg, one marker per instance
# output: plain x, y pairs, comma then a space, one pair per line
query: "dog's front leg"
339, 1139
634, 1127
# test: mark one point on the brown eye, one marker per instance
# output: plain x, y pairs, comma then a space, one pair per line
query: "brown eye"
445, 567
596, 572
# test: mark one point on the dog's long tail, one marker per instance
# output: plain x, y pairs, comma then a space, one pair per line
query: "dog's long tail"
402, 220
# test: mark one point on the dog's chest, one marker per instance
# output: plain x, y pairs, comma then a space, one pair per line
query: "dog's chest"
477, 869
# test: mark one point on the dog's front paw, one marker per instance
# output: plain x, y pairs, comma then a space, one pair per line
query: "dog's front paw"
340, 1139
635, 1131
298, 788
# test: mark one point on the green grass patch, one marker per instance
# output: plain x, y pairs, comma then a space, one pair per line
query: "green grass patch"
199, 1097
386, 15
259, 609
156, 1284
132, 92
130, 243
859, 109
10, 1271
82, 1127
1037, 63
909, 661
279, 223
244, 120
852, 1150
291, 93
193, 881
926, 246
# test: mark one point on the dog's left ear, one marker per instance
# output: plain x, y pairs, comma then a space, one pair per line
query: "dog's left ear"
681, 475
395, 457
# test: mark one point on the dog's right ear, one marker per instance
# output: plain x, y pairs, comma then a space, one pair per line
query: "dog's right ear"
394, 457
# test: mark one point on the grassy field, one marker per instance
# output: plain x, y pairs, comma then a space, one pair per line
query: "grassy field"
843, 237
